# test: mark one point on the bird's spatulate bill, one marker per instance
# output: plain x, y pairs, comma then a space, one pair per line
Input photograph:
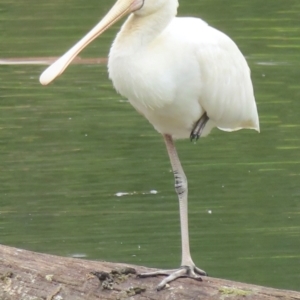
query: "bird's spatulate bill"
120, 9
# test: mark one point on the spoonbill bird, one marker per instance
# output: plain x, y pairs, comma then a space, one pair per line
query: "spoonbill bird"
182, 75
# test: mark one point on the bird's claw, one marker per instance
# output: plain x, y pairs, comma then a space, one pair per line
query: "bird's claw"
194, 137
198, 128
184, 271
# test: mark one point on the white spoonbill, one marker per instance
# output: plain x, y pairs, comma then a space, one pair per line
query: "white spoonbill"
182, 75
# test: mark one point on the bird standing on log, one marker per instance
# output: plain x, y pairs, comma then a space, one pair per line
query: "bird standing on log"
183, 76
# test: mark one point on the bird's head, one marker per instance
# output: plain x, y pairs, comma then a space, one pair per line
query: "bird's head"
151, 6
120, 9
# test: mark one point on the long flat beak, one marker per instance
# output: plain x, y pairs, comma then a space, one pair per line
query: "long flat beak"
120, 9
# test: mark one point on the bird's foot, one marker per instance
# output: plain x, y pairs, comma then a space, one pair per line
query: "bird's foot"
198, 128
183, 271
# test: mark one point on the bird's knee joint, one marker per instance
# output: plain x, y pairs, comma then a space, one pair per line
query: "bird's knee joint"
180, 183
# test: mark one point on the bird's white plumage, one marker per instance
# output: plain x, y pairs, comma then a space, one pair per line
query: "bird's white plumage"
178, 73
185, 69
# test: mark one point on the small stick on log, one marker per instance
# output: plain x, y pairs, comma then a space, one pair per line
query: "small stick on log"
26, 275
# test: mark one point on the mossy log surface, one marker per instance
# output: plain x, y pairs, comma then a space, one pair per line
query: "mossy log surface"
26, 275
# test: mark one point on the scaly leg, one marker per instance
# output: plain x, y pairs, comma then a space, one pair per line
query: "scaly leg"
188, 268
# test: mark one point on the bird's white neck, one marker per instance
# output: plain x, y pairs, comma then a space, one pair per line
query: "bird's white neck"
140, 29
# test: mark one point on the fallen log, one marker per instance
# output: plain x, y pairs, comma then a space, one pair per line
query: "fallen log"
26, 275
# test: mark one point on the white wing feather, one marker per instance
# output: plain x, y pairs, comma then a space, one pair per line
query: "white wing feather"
226, 88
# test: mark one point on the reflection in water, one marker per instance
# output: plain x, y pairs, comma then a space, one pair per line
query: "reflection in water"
68, 149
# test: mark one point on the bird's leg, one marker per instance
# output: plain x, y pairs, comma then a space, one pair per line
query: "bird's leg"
188, 268
198, 128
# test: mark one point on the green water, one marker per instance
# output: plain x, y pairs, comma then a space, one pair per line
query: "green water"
67, 149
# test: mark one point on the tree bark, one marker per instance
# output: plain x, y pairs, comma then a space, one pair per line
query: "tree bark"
26, 275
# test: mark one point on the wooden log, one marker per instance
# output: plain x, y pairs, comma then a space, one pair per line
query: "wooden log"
26, 275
